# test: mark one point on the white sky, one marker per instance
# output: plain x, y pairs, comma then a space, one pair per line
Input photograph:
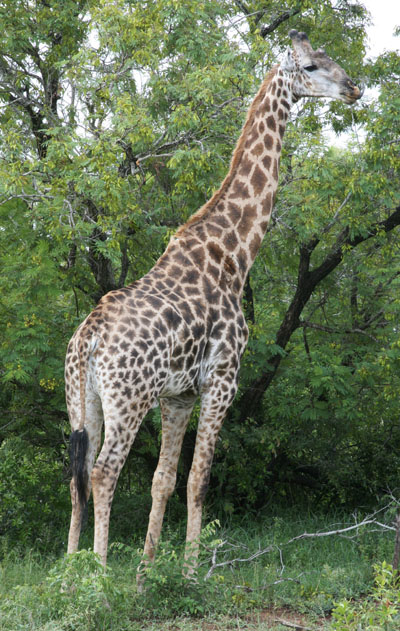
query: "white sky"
385, 15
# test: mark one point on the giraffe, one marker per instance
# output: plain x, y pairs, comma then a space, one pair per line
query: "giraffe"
179, 332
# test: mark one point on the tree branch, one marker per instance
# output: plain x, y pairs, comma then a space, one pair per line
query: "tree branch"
277, 21
266, 30
369, 520
307, 281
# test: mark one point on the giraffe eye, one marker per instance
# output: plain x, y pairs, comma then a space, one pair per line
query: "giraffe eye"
311, 68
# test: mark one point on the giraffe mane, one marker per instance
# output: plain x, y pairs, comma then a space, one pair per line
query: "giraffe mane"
236, 157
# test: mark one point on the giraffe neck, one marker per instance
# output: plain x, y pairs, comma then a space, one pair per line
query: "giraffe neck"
231, 225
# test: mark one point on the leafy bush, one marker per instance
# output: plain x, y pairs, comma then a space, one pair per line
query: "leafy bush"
78, 594
34, 498
82, 593
380, 611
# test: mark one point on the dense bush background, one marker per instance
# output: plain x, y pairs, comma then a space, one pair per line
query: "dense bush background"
117, 121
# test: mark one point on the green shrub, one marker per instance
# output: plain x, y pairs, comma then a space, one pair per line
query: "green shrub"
380, 611
167, 591
34, 498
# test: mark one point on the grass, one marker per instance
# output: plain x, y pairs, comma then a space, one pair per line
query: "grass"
297, 582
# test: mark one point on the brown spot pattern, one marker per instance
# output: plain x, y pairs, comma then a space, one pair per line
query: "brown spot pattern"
258, 180
258, 150
268, 141
245, 166
240, 190
234, 212
247, 220
267, 162
271, 124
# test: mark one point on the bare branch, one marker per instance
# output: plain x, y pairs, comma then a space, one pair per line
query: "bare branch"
231, 562
286, 15
246, 588
292, 625
337, 213
327, 329
370, 520
328, 533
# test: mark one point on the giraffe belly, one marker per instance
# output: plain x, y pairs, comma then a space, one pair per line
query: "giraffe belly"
189, 375
178, 384
192, 382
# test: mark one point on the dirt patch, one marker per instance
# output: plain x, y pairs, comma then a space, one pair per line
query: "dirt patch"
287, 618
278, 619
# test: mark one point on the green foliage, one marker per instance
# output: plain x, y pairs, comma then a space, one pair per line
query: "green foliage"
380, 610
167, 590
81, 593
77, 594
118, 121
33, 500
307, 576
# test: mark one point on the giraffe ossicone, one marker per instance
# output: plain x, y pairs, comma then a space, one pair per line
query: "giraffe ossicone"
179, 332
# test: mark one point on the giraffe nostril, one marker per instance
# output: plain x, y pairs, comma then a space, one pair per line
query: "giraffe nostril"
358, 91
351, 91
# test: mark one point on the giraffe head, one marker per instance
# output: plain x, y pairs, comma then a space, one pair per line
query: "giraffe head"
316, 74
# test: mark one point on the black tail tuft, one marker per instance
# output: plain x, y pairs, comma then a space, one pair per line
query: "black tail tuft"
78, 445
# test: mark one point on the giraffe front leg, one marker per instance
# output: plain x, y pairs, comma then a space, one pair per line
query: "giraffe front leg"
196, 491
214, 405
175, 415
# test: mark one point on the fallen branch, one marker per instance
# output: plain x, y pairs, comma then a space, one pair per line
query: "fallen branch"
216, 565
309, 535
368, 521
292, 625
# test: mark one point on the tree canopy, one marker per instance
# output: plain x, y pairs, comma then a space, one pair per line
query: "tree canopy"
118, 121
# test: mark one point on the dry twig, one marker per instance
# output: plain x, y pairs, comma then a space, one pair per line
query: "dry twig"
368, 521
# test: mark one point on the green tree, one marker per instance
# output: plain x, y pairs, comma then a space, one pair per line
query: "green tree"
118, 121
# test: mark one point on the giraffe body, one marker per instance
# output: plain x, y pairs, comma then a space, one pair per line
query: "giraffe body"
179, 332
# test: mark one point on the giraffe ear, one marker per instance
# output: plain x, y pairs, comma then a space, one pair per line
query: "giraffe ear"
288, 63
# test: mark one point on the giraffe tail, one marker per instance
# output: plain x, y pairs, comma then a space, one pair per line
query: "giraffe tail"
78, 446
79, 439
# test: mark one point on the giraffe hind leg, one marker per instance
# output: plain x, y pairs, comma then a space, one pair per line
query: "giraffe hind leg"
78, 446
84, 445
119, 434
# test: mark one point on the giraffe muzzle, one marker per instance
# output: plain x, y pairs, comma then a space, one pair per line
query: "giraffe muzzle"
358, 91
352, 92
